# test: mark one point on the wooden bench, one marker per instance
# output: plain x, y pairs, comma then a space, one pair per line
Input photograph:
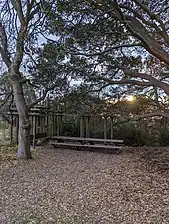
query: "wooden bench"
86, 143
87, 140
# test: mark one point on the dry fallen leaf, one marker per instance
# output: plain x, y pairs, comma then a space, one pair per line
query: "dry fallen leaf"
68, 186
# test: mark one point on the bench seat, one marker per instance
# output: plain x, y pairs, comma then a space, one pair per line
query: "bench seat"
58, 144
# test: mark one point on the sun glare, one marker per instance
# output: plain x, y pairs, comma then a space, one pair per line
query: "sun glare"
130, 98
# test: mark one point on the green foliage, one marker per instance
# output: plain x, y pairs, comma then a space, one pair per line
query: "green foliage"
50, 66
71, 127
132, 134
164, 136
81, 101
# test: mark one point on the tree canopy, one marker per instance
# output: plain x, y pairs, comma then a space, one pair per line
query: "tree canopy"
117, 46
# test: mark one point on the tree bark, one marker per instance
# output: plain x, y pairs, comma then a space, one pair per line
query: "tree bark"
24, 123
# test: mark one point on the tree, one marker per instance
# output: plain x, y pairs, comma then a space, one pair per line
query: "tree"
116, 42
21, 23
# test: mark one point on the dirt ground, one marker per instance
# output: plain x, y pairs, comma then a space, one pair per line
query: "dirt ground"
74, 187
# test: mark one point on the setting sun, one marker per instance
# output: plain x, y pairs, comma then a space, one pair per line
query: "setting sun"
130, 98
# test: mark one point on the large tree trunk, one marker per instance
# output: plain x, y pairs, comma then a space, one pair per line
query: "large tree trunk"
24, 124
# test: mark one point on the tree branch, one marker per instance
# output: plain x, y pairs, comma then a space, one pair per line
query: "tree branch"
21, 36
152, 81
4, 46
138, 30
150, 44
43, 96
18, 7
162, 32
148, 115
107, 50
122, 81
152, 15
6, 99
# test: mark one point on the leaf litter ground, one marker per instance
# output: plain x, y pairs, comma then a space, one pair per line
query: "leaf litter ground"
75, 187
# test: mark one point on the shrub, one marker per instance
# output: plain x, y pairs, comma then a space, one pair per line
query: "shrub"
71, 128
164, 136
132, 134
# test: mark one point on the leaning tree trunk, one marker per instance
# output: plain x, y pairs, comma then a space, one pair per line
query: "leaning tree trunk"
24, 124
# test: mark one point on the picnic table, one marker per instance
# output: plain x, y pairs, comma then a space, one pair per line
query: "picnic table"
88, 143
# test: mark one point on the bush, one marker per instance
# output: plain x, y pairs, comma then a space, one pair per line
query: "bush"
71, 128
132, 134
164, 137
